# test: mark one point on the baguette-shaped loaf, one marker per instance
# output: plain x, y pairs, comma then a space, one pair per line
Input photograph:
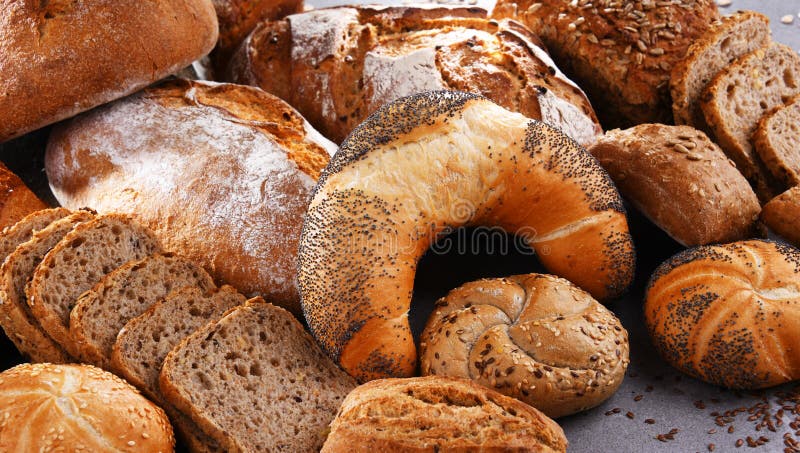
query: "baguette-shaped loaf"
16, 199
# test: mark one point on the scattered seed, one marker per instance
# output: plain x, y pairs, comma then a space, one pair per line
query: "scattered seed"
787, 19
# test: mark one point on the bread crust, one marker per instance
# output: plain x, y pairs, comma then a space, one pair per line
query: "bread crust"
16, 199
782, 159
782, 215
60, 57
356, 286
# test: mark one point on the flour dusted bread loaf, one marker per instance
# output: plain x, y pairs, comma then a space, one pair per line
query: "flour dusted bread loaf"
399, 180
46, 407
727, 314
436, 413
16, 199
533, 337
221, 173
682, 181
621, 53
777, 141
782, 215
338, 65
63, 57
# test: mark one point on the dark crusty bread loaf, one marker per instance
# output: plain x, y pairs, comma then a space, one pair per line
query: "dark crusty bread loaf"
80, 260
256, 381
782, 215
739, 96
15, 315
338, 65
622, 53
682, 181
125, 293
737, 35
21, 231
63, 57
222, 173
435, 413
777, 141
16, 199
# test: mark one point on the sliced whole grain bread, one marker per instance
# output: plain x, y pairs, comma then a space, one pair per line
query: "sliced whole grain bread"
737, 35
740, 95
256, 381
125, 293
77, 263
777, 141
22, 231
15, 316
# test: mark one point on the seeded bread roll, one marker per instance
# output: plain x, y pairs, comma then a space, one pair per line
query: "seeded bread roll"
682, 181
47, 407
727, 314
533, 337
399, 180
782, 215
64, 57
436, 413
622, 53
221, 173
777, 141
338, 65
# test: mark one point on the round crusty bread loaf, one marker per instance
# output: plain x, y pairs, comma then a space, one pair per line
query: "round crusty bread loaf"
47, 407
728, 314
436, 413
63, 57
782, 215
534, 337
221, 173
425, 164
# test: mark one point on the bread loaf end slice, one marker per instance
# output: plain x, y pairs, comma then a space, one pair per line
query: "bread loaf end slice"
22, 231
777, 141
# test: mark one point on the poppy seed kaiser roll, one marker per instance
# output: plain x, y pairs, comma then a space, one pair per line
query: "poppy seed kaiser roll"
533, 337
420, 166
729, 314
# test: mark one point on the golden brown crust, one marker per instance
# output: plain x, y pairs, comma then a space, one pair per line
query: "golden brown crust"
51, 71
49, 407
727, 314
437, 413
782, 215
361, 240
533, 337
16, 199
682, 181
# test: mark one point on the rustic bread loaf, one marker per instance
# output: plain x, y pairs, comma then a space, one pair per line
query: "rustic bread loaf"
16, 199
738, 97
533, 337
15, 315
737, 35
682, 181
777, 141
63, 57
399, 180
21, 231
338, 65
222, 173
125, 293
438, 413
727, 314
782, 215
621, 53
80, 260
256, 381
47, 407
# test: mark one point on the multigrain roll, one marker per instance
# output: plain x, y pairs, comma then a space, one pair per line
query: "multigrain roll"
727, 314
430, 162
533, 337
338, 65
47, 407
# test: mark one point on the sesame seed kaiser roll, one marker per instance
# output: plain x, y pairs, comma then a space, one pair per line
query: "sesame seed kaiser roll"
47, 407
434, 161
535, 337
729, 314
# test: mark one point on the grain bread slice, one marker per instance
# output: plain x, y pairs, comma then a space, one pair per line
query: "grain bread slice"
739, 96
15, 316
256, 381
127, 292
77, 263
737, 35
777, 141
22, 231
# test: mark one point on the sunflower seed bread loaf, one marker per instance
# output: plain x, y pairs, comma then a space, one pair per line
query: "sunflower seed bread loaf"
777, 141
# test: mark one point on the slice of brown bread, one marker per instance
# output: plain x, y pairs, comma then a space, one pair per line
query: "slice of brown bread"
739, 96
80, 260
256, 381
100, 313
16, 317
777, 141
737, 35
22, 231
